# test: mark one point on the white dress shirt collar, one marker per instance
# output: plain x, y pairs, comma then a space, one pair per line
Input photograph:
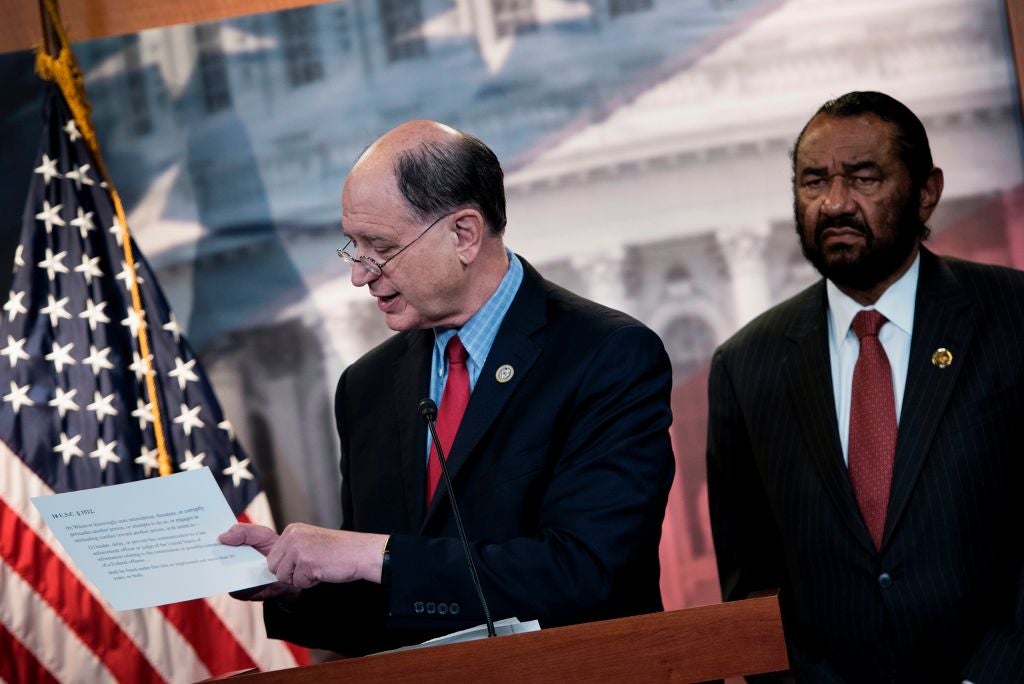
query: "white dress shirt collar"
896, 303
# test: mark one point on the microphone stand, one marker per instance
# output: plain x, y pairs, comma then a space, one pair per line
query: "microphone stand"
430, 414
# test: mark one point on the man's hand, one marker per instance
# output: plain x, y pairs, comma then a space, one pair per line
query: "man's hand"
305, 555
257, 536
262, 539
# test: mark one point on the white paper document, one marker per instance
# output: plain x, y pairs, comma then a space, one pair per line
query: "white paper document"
154, 541
501, 628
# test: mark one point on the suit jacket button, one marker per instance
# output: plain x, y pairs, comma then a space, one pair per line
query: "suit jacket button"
418, 607
453, 608
885, 580
431, 608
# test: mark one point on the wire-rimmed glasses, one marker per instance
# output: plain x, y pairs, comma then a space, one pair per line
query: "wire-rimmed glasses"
374, 267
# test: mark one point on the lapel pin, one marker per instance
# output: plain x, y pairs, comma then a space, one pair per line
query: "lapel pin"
942, 358
504, 373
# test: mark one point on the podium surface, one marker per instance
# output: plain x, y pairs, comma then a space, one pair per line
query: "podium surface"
690, 645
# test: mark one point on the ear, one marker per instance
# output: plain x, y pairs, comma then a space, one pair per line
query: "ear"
930, 193
468, 233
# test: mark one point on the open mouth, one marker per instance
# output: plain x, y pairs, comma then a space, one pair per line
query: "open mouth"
386, 302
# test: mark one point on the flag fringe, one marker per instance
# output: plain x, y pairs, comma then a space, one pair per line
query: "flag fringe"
64, 71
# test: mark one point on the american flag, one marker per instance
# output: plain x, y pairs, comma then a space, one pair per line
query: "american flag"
75, 413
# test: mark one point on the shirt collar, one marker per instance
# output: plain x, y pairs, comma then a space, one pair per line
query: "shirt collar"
896, 303
478, 333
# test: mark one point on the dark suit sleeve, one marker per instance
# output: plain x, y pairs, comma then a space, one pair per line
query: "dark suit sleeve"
747, 544
1000, 657
599, 517
305, 621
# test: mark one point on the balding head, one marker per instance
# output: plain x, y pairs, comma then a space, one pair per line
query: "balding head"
437, 169
424, 208
403, 138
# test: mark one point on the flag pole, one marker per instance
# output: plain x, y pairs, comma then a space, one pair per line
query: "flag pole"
50, 39
57, 64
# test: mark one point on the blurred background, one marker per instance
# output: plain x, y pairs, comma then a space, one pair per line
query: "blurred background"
646, 149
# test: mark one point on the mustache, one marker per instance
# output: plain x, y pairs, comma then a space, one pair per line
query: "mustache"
842, 221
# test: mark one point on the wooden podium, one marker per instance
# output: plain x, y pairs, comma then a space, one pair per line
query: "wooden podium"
691, 645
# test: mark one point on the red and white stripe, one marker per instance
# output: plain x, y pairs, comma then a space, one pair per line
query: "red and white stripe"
55, 627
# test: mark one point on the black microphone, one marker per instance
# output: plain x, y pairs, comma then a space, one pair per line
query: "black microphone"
428, 409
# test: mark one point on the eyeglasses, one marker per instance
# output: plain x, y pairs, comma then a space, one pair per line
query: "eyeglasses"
374, 267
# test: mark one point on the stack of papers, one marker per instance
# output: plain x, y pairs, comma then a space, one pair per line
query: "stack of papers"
501, 628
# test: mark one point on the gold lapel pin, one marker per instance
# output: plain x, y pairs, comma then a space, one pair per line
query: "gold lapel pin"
942, 358
504, 373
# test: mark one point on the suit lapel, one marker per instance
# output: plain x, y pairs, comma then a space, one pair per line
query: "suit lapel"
941, 319
513, 346
807, 370
411, 377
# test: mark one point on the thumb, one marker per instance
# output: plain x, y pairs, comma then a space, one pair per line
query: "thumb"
259, 537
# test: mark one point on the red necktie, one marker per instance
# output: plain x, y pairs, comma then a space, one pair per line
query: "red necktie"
449, 414
872, 446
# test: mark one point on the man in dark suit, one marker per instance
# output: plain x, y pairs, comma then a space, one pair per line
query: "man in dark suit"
866, 450
555, 411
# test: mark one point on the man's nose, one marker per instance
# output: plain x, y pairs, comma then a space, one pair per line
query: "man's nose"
361, 276
837, 200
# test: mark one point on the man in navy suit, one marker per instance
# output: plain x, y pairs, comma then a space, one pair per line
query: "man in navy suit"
865, 450
560, 460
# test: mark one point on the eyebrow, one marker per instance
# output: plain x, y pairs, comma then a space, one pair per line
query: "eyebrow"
847, 168
862, 166
379, 241
374, 240
813, 171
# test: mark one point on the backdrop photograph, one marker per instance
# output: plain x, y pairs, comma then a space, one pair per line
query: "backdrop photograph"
646, 148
